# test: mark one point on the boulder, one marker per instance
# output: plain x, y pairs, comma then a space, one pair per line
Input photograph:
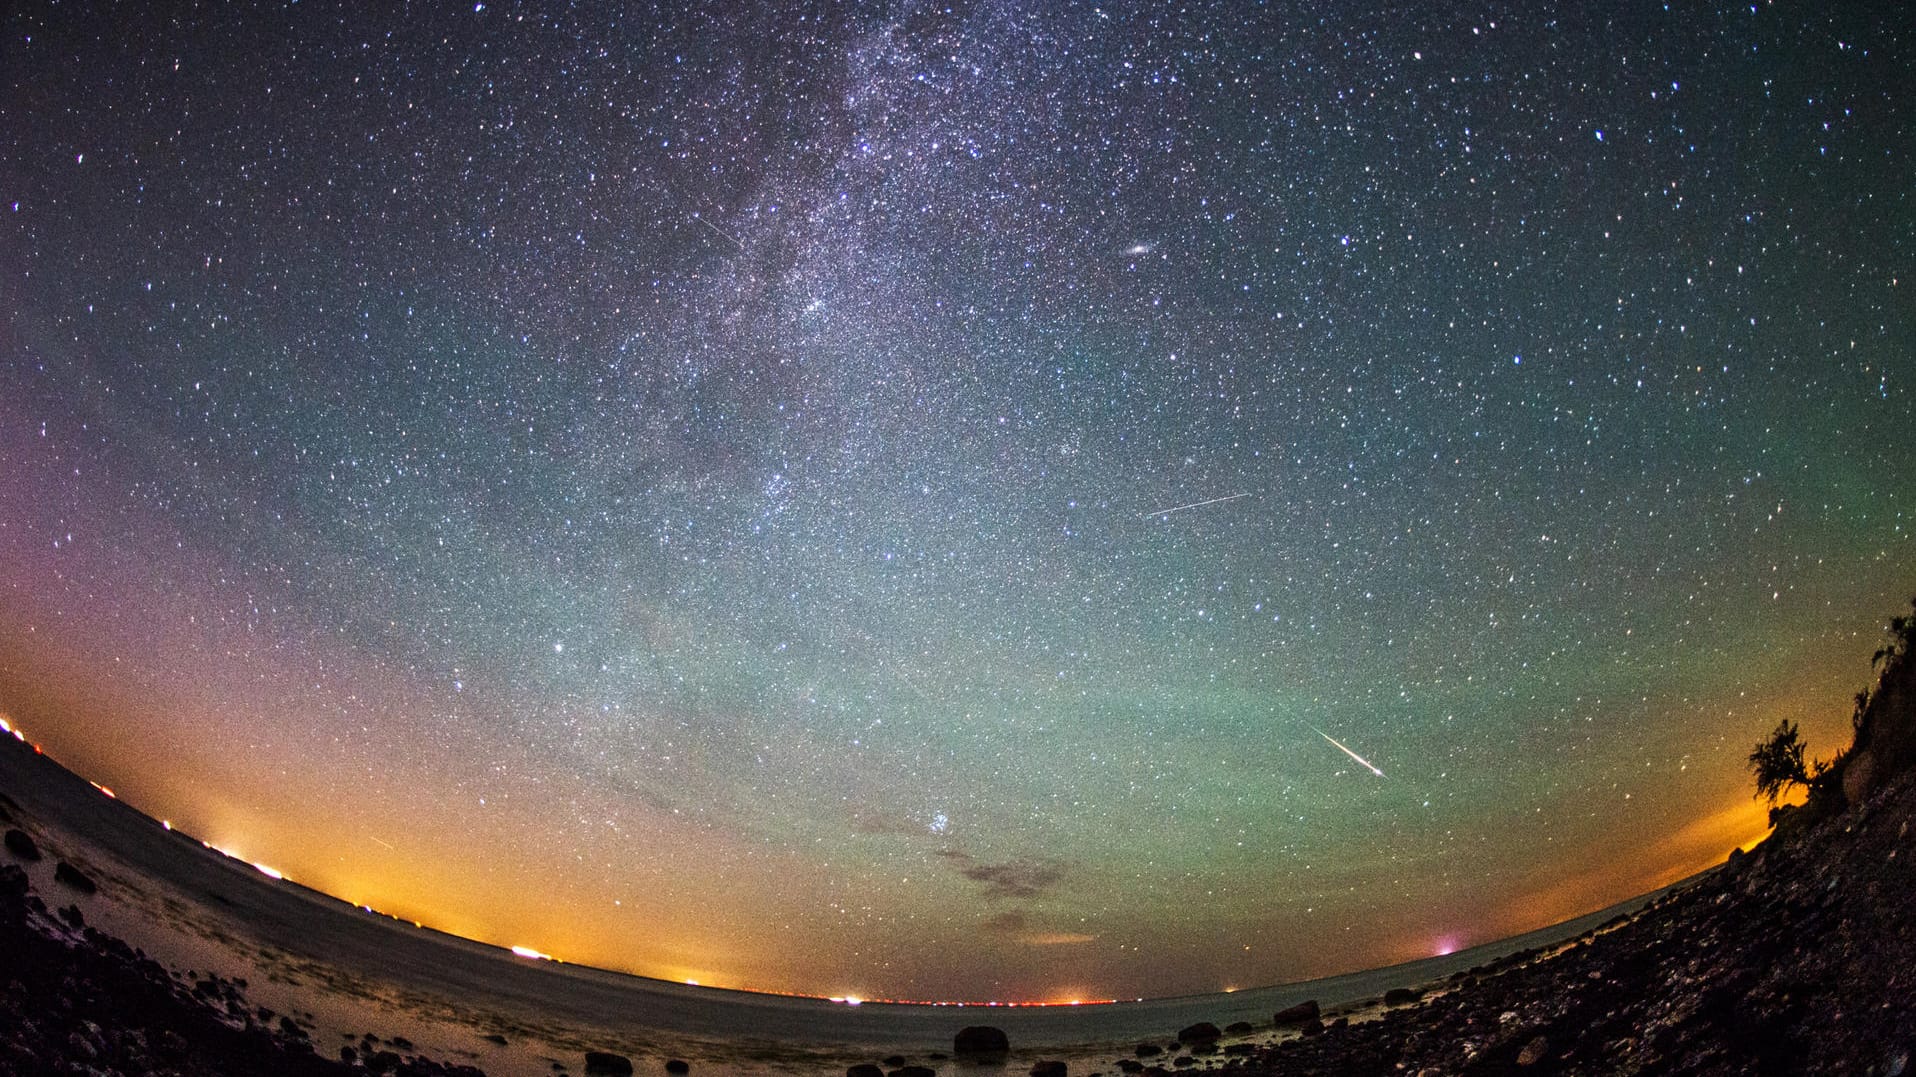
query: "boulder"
1050, 1067
913, 1071
678, 1066
1146, 1050
1302, 1013
1402, 996
20, 845
980, 1041
1238, 1028
66, 873
892, 1061
607, 1064
1202, 1032
864, 1069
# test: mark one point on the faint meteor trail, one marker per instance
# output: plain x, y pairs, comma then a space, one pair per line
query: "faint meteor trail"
1192, 505
727, 236
1340, 747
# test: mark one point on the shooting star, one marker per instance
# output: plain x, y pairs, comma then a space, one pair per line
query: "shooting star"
387, 844
1192, 505
1340, 747
727, 236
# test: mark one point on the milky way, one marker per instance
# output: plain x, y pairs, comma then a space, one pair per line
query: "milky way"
897, 502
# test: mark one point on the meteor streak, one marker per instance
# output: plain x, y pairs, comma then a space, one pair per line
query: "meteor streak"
727, 236
1192, 505
1340, 747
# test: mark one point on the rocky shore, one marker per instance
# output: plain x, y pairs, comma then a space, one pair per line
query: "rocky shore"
78, 1001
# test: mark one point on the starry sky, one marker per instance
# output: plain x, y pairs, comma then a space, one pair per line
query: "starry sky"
1001, 501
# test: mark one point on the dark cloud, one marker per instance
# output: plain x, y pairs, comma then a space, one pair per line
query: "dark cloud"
1010, 879
1009, 922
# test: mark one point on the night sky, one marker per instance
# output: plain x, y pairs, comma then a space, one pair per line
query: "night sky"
934, 503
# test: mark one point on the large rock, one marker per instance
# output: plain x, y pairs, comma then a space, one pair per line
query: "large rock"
1402, 996
1302, 1013
607, 1064
864, 1069
20, 845
1202, 1032
981, 1042
69, 875
1048, 1068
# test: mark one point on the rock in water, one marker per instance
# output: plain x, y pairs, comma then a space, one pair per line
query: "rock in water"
1301, 1014
20, 845
64, 872
1202, 1032
1402, 996
981, 1042
607, 1064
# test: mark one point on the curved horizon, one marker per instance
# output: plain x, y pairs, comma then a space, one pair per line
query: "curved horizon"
997, 501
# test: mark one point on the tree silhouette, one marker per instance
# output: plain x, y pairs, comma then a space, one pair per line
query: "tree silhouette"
1778, 762
1901, 631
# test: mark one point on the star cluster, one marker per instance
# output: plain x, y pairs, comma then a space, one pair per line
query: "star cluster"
896, 501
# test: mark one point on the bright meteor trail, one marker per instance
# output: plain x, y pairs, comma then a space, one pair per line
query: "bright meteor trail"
1340, 747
